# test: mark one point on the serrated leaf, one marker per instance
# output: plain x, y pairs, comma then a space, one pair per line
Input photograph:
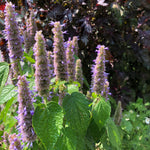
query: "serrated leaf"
77, 112
47, 123
101, 112
7, 93
4, 112
4, 70
67, 141
113, 134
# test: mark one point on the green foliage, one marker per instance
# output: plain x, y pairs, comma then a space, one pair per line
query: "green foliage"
7, 93
47, 122
77, 113
101, 112
113, 134
135, 126
4, 70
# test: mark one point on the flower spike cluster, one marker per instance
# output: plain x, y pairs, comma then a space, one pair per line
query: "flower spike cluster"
60, 65
70, 61
25, 111
13, 37
15, 143
100, 84
42, 73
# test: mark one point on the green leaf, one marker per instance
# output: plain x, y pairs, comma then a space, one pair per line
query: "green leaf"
7, 93
113, 134
4, 70
29, 58
67, 141
47, 123
101, 112
4, 112
126, 125
72, 88
77, 112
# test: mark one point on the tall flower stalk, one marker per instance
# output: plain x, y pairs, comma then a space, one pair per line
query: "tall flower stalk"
79, 73
75, 45
30, 32
70, 61
25, 111
13, 37
100, 84
60, 65
42, 72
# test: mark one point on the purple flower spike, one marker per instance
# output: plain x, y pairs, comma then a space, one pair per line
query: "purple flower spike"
70, 61
78, 73
13, 37
75, 45
100, 84
42, 72
60, 64
24, 111
30, 32
15, 143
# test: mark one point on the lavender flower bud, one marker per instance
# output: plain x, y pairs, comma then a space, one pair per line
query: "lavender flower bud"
15, 143
99, 78
75, 45
60, 65
25, 111
42, 73
70, 61
118, 114
78, 73
12, 33
51, 63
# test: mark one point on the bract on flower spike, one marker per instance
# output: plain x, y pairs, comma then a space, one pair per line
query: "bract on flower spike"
15, 143
42, 72
100, 84
70, 61
13, 37
79, 73
60, 64
25, 111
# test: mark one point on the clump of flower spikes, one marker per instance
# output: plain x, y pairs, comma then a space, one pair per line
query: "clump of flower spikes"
42, 72
25, 111
118, 114
13, 37
60, 64
15, 143
79, 73
70, 61
100, 84
30, 31
75, 45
